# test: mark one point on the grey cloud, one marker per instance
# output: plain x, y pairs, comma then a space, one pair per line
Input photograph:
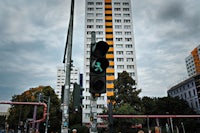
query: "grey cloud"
172, 11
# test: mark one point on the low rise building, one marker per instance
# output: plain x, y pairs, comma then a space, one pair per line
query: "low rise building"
188, 90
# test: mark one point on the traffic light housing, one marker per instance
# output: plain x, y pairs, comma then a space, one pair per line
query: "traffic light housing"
77, 97
98, 65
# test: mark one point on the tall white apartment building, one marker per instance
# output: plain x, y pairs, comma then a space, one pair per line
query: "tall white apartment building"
193, 62
75, 78
112, 21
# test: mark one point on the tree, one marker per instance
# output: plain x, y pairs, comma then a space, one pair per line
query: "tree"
169, 105
125, 91
126, 101
2, 122
24, 112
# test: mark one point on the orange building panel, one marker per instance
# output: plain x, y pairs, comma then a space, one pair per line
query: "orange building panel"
109, 1
110, 77
109, 36
109, 30
109, 86
110, 70
108, 11
108, 17
110, 49
110, 93
110, 56
110, 42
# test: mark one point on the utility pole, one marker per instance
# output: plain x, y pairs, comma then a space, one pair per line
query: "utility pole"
67, 62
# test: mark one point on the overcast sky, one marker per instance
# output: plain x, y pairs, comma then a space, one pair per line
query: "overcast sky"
33, 35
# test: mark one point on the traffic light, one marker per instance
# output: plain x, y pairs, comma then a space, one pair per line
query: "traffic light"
98, 65
77, 96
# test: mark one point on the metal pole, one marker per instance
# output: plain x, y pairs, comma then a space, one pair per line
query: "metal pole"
183, 127
148, 124
110, 108
171, 123
65, 112
93, 100
47, 119
93, 114
34, 118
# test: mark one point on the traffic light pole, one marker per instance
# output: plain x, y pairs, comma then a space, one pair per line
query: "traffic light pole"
93, 114
93, 99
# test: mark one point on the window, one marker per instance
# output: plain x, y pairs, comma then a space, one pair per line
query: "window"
127, 26
118, 39
120, 59
130, 66
117, 3
117, 20
99, 14
90, 3
90, 20
99, 9
129, 45
90, 9
125, 9
127, 33
129, 59
125, 3
117, 15
118, 27
90, 26
120, 66
119, 52
119, 45
129, 52
99, 32
99, 3
99, 20
127, 20
99, 26
126, 15
132, 74
118, 33
90, 14
117, 9
128, 39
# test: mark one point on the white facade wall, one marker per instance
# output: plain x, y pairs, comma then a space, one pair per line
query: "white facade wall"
75, 78
186, 90
123, 38
190, 63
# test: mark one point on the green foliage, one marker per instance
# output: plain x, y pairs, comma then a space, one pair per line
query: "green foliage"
170, 105
2, 122
125, 109
127, 102
24, 112
125, 91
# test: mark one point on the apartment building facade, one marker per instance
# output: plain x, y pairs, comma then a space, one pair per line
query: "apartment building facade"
112, 22
189, 90
193, 62
74, 78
